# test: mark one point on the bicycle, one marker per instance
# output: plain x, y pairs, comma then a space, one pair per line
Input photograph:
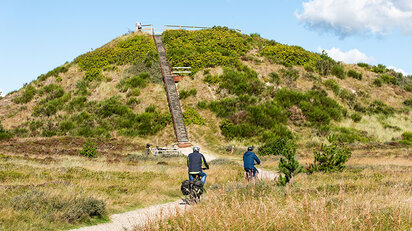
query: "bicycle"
250, 176
193, 190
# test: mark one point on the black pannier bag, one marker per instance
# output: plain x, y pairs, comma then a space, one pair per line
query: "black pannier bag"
185, 187
198, 186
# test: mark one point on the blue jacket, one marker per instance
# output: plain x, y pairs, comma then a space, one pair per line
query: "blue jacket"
249, 159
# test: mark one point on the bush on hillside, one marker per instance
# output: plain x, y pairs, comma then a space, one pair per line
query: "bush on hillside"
350, 135
274, 78
339, 71
364, 65
55, 72
356, 117
355, 75
89, 149
191, 116
26, 95
241, 82
131, 50
4, 134
289, 74
332, 85
379, 68
379, 107
330, 158
324, 64
378, 82
275, 147
289, 55
389, 79
408, 102
133, 82
211, 79
183, 94
406, 138
200, 49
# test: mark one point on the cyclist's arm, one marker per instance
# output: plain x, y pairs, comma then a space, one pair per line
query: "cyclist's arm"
257, 159
204, 162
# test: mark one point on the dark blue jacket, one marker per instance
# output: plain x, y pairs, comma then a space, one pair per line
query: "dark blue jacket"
249, 159
195, 161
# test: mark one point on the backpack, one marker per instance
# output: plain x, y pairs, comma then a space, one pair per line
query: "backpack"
185, 187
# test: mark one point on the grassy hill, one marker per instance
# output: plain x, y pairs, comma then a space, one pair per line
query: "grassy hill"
243, 87
244, 90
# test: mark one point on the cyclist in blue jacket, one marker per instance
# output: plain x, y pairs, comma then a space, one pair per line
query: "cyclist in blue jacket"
249, 159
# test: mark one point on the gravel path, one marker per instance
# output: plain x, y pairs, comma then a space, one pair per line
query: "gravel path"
138, 218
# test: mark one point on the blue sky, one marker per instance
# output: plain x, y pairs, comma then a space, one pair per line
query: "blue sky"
37, 36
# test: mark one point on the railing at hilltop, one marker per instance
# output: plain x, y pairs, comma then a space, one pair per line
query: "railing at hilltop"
152, 31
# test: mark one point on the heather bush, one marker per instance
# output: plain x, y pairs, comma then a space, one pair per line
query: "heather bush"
274, 78
289, 55
379, 107
408, 102
355, 75
290, 74
339, 71
4, 134
191, 116
241, 82
200, 49
378, 82
356, 117
26, 95
332, 85
275, 146
183, 94
211, 79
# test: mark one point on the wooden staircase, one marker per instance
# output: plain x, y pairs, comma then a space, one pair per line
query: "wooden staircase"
172, 96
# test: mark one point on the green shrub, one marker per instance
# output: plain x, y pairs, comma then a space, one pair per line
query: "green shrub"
324, 64
183, 94
288, 166
356, 117
130, 50
200, 49
133, 102
339, 71
364, 65
389, 79
290, 74
274, 78
191, 116
289, 55
408, 102
330, 158
138, 81
89, 149
55, 72
349, 135
211, 79
347, 96
76, 103
133, 92
82, 87
332, 85
406, 138
275, 147
355, 75
308, 67
202, 104
379, 107
54, 101
26, 96
241, 82
378, 82
4, 134
379, 69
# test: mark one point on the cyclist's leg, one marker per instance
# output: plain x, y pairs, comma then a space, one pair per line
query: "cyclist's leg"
203, 179
191, 177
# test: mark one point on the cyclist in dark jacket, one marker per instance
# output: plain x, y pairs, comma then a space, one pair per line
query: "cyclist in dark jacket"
195, 160
249, 159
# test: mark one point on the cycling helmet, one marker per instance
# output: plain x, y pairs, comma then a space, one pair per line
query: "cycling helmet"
250, 148
196, 148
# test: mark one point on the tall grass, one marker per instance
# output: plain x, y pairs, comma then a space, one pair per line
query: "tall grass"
365, 198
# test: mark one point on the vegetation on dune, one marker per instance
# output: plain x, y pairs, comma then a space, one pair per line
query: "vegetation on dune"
26, 95
4, 134
137, 48
288, 166
191, 116
290, 55
218, 46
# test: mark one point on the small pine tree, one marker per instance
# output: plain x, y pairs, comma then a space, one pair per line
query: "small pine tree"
89, 149
331, 157
288, 165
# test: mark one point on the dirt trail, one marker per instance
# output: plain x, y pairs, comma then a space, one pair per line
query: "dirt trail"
138, 218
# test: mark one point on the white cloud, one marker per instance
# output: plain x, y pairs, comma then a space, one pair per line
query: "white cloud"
398, 70
350, 56
348, 17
